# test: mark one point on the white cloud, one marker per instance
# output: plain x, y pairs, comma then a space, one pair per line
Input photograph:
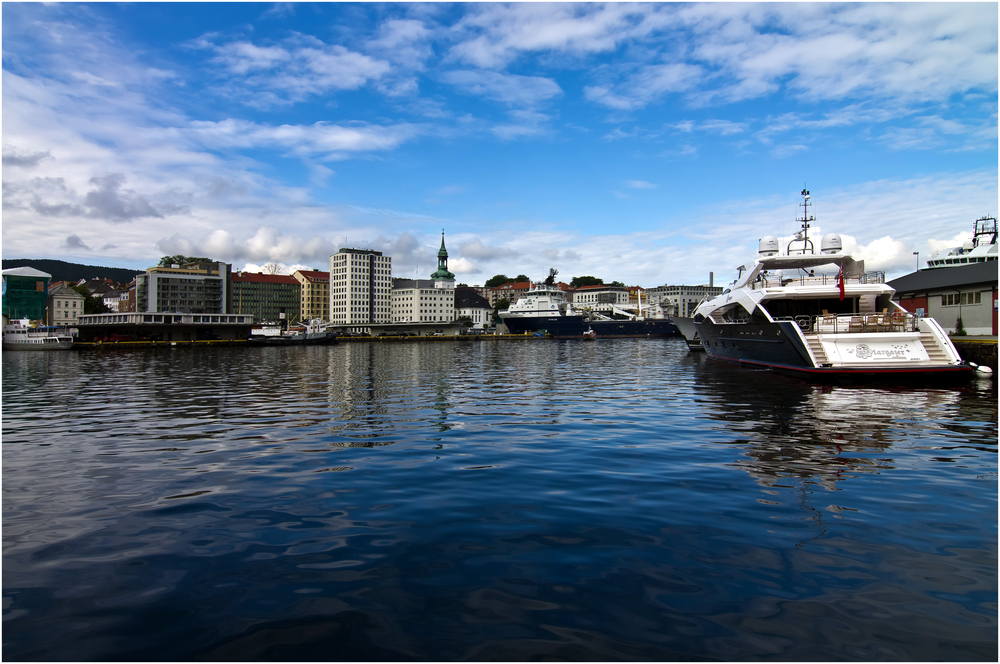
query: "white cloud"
508, 89
297, 69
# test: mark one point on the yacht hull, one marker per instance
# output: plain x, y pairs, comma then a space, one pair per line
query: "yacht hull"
779, 346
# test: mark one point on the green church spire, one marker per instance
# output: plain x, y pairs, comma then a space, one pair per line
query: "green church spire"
442, 271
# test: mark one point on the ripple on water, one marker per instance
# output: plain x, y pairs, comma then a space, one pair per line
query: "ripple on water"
618, 500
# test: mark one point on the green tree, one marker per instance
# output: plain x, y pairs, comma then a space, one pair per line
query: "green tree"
498, 280
522, 277
502, 305
577, 282
466, 321
617, 283
167, 261
91, 305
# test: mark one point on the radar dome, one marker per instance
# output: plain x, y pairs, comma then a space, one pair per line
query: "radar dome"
831, 244
768, 246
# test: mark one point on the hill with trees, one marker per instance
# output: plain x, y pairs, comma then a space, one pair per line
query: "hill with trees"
63, 271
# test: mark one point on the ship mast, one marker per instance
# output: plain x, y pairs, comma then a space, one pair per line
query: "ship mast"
803, 235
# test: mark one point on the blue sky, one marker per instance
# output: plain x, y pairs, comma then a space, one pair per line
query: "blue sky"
646, 143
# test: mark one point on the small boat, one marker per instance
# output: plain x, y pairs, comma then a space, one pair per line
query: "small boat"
20, 335
589, 335
783, 313
314, 333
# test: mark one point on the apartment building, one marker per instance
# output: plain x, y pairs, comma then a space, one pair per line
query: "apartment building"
314, 296
360, 285
196, 288
270, 298
65, 305
681, 300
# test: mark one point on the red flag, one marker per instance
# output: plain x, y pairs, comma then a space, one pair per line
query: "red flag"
840, 282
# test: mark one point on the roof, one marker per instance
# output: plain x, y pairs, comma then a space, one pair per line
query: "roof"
25, 272
947, 277
468, 298
520, 285
601, 287
313, 275
259, 278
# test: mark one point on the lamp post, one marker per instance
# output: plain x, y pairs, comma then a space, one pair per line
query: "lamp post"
917, 254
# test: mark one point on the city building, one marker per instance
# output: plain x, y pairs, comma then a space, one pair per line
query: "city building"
426, 300
65, 306
196, 288
947, 294
601, 298
25, 291
469, 303
270, 298
420, 301
360, 285
314, 294
681, 300
511, 291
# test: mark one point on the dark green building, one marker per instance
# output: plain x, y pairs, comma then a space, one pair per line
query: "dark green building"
267, 296
25, 291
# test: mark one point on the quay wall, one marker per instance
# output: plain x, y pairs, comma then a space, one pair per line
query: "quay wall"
122, 345
979, 350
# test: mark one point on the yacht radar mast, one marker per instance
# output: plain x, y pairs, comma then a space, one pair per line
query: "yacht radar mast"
983, 229
803, 235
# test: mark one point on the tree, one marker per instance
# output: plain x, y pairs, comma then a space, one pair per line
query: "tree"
498, 280
502, 305
91, 305
466, 321
577, 282
167, 261
272, 268
617, 283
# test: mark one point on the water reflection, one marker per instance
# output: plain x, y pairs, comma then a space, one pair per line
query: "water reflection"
531, 500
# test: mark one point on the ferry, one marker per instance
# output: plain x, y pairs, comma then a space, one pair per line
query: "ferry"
20, 335
782, 313
545, 311
982, 247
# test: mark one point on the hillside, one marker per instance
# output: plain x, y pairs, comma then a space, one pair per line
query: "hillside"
63, 271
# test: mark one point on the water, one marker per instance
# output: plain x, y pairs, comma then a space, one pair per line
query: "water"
615, 500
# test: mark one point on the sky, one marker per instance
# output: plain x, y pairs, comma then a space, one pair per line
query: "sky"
647, 143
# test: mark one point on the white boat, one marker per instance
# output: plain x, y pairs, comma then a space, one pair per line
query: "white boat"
784, 312
20, 335
980, 249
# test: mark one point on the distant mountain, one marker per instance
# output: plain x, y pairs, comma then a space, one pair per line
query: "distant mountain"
63, 271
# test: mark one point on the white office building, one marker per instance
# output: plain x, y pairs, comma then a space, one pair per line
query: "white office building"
360, 285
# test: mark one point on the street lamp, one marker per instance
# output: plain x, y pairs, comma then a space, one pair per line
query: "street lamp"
917, 254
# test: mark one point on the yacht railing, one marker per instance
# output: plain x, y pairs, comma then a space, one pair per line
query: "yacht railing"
854, 323
774, 281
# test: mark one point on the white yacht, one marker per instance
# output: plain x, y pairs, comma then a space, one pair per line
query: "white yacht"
20, 335
820, 314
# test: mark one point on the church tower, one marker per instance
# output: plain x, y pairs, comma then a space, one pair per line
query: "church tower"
443, 278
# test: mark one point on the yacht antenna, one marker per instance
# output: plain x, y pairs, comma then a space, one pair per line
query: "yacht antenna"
803, 235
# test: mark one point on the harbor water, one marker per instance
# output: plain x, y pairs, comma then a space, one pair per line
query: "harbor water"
613, 500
